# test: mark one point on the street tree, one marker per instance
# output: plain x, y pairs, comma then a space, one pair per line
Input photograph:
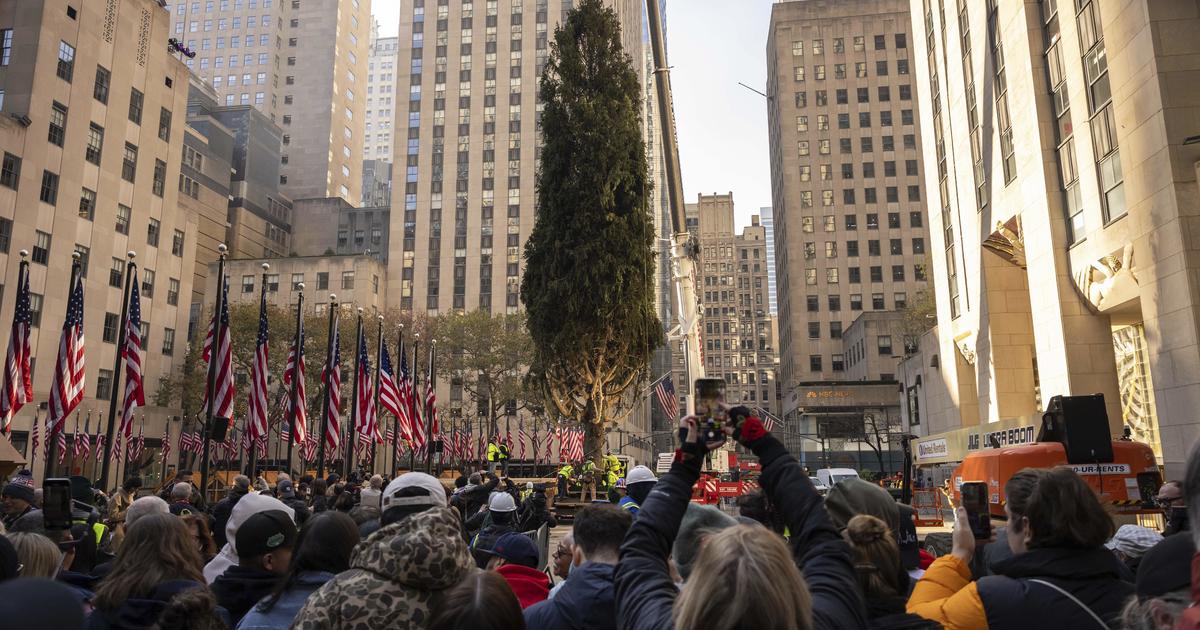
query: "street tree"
587, 286
489, 356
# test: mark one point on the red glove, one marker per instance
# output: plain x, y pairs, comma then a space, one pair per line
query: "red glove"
746, 426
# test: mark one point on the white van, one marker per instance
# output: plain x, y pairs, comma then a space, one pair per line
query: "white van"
831, 476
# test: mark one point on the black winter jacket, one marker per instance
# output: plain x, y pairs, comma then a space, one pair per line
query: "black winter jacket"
1012, 600
585, 602
645, 592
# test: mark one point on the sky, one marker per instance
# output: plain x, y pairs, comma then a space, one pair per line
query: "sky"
722, 127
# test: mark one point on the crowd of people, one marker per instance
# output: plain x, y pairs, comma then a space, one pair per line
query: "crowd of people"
412, 553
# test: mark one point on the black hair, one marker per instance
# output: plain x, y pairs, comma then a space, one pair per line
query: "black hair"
325, 544
132, 483
601, 528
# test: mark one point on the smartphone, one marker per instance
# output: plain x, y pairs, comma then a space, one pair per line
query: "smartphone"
56, 503
709, 392
975, 502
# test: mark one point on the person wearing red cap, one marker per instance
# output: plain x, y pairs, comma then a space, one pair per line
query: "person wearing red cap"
515, 558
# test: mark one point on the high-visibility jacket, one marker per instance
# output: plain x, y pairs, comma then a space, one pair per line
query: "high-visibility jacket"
493, 452
612, 464
566, 470
629, 505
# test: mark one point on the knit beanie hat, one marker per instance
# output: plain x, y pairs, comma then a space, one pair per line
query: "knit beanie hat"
851, 497
698, 521
21, 487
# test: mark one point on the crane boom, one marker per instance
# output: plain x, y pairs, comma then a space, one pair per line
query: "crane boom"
684, 249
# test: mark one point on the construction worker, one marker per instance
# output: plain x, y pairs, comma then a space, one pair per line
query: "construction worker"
564, 478
493, 455
637, 488
587, 480
502, 457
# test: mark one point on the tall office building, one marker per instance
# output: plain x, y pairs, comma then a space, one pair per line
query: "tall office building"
736, 329
303, 63
471, 146
1065, 253
767, 215
381, 97
91, 132
845, 174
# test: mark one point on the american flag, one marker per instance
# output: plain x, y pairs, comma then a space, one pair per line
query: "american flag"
299, 415
310, 449
62, 444
35, 440
364, 399
576, 438
67, 383
99, 447
769, 420
134, 395
223, 377
665, 391
405, 388
550, 446
410, 390
137, 446
114, 449
332, 376
431, 401
389, 393
521, 436
85, 447
165, 445
535, 442
17, 388
256, 420
185, 442
390, 436
76, 444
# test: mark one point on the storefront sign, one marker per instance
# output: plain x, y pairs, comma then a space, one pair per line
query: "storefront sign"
953, 446
932, 448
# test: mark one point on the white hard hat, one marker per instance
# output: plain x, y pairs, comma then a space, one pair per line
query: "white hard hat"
640, 474
502, 502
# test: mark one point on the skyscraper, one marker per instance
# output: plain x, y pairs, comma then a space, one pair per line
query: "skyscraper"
464, 201
303, 63
845, 174
1060, 201
767, 215
381, 97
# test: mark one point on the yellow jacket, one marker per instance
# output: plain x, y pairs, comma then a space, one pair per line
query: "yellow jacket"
493, 452
947, 595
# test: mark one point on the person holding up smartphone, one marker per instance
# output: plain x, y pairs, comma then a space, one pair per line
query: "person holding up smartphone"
744, 576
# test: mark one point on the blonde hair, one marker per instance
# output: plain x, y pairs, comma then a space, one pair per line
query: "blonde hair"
875, 554
744, 577
39, 555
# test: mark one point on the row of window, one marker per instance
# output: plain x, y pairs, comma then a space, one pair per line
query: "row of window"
272, 281
864, 120
829, 221
833, 274
860, 70
842, 96
858, 43
895, 248
846, 146
834, 305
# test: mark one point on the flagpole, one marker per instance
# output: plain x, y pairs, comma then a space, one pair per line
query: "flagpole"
210, 389
74, 446
297, 350
429, 414
352, 432
375, 394
325, 399
116, 379
395, 418
52, 435
22, 279
252, 456
412, 400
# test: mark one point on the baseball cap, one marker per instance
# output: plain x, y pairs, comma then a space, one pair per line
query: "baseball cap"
1166, 567
436, 496
265, 532
502, 502
640, 474
515, 548
1134, 540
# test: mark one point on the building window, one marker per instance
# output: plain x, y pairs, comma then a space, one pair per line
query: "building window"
837, 362
6, 41
322, 280
58, 124
66, 61
10, 171
247, 284
148, 282
109, 333
41, 248
95, 144
297, 278
104, 383
168, 345
116, 273
814, 363
164, 124
272, 282
884, 343
135, 106
177, 243
152, 231
103, 78
877, 302
160, 178
123, 215
49, 192
87, 204
347, 280
129, 163
173, 291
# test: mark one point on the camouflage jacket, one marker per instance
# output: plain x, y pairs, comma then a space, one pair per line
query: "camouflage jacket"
393, 576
